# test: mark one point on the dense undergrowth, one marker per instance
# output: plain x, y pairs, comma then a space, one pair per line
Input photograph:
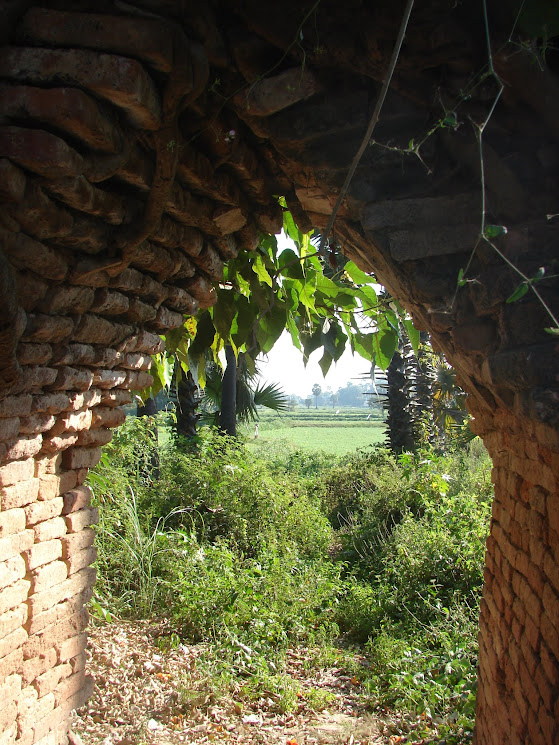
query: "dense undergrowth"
254, 554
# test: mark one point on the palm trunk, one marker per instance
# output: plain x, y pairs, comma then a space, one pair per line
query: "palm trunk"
228, 416
187, 404
151, 468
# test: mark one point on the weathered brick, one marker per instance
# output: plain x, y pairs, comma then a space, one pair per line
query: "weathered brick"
55, 635
16, 405
44, 328
72, 378
36, 423
107, 416
67, 299
145, 38
36, 666
11, 620
49, 529
11, 570
77, 521
13, 182
47, 465
15, 544
12, 641
81, 582
7, 719
52, 403
43, 553
24, 447
71, 647
109, 378
93, 329
18, 495
68, 687
74, 542
120, 80
61, 611
11, 663
81, 560
12, 521
36, 711
76, 499
73, 421
10, 690
81, 457
137, 380
94, 437
51, 485
48, 681
48, 575
9, 428
40, 152
84, 399
19, 470
12, 596
39, 511
58, 443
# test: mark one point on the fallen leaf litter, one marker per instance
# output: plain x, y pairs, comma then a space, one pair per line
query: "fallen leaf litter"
149, 692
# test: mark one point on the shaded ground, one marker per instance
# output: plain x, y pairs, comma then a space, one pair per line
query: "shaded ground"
149, 691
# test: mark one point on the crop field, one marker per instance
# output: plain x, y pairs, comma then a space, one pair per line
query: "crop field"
321, 429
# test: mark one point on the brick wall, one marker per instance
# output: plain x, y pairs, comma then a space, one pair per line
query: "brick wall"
519, 640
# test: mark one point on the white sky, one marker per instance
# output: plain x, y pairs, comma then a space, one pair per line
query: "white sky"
284, 364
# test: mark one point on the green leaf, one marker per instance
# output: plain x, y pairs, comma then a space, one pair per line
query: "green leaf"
260, 270
290, 229
363, 344
461, 279
290, 264
334, 341
520, 291
369, 297
271, 326
311, 342
552, 330
205, 333
223, 313
494, 231
384, 346
326, 286
325, 362
356, 274
413, 334
294, 331
450, 120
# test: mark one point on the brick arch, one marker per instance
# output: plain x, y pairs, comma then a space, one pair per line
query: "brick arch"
141, 146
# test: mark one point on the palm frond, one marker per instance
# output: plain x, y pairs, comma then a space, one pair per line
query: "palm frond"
271, 396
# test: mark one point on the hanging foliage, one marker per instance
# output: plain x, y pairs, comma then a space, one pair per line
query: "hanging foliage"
265, 292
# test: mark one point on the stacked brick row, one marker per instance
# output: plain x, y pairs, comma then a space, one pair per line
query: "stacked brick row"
83, 97
519, 644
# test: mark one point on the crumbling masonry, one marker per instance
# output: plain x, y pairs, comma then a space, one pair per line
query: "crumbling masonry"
142, 145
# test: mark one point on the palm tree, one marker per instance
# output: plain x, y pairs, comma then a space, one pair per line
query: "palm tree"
316, 391
222, 406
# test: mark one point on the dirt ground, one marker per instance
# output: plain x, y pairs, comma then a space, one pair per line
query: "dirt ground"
147, 691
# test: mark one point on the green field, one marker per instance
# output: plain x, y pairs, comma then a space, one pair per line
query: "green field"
320, 429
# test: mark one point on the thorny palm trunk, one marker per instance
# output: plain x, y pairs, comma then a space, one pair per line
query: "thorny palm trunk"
187, 404
399, 419
228, 416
